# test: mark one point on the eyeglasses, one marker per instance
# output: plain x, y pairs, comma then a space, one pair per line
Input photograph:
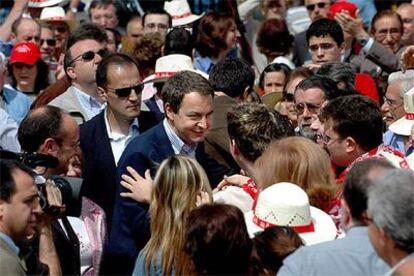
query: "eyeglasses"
50, 42
288, 97
152, 26
382, 33
126, 91
320, 5
312, 108
89, 55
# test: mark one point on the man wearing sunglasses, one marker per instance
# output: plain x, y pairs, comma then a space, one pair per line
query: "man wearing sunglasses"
85, 49
104, 138
317, 9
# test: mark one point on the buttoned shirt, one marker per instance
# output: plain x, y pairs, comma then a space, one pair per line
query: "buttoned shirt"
8, 132
177, 144
90, 105
119, 141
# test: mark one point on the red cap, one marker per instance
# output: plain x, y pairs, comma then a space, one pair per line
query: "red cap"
25, 52
342, 6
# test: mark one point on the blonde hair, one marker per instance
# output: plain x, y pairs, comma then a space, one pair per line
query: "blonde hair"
300, 161
176, 185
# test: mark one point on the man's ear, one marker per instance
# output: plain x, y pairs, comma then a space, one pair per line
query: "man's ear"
350, 144
169, 113
12, 37
102, 94
245, 94
70, 71
49, 147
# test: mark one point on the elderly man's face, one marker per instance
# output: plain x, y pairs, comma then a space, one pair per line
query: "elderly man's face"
28, 31
387, 31
317, 9
105, 16
393, 107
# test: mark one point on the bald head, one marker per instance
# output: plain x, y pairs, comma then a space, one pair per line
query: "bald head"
26, 30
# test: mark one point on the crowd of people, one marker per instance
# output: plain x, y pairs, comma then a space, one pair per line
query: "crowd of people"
242, 137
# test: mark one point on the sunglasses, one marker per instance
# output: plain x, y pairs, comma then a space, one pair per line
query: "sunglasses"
320, 5
126, 91
50, 42
59, 29
89, 55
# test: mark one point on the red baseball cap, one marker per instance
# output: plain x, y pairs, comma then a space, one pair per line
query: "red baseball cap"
25, 52
342, 6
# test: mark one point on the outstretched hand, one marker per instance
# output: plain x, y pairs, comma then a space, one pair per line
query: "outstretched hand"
233, 180
139, 188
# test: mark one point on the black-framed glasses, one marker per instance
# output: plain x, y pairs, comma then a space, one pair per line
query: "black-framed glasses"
50, 42
312, 108
320, 5
126, 91
89, 55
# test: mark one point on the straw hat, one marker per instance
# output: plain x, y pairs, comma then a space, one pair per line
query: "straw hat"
56, 14
286, 204
46, 3
180, 12
403, 125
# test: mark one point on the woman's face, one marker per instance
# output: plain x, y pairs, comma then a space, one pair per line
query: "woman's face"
111, 46
274, 82
25, 75
232, 36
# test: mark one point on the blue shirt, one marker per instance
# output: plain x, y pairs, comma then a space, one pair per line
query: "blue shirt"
89, 104
16, 104
395, 141
10, 243
177, 144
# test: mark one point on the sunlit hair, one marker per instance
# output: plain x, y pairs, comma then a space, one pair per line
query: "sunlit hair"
298, 160
212, 32
176, 185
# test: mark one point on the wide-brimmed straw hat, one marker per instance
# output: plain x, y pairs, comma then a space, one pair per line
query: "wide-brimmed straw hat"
46, 3
403, 125
180, 12
286, 204
56, 14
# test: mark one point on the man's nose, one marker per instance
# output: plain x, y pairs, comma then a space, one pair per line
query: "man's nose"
385, 107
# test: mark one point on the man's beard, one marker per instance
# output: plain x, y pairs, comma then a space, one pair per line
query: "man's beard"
307, 132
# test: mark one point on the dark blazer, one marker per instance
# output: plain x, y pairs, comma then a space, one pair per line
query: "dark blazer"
131, 230
99, 170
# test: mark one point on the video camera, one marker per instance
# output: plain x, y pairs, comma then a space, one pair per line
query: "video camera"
68, 187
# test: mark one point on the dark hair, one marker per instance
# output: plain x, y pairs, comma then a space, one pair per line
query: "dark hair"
252, 126
327, 85
273, 36
42, 77
271, 247
112, 59
355, 116
156, 11
40, 124
179, 41
217, 240
212, 30
339, 72
357, 182
117, 36
386, 13
83, 32
326, 27
274, 67
182, 83
7, 183
232, 77
17, 23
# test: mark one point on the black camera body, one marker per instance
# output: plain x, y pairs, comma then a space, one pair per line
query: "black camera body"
69, 187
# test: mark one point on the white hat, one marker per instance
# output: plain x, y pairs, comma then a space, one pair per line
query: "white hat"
168, 66
286, 204
284, 61
180, 12
53, 14
403, 125
46, 3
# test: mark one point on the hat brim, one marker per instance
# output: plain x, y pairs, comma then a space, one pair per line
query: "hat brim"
47, 3
325, 229
271, 99
24, 60
187, 20
153, 79
402, 126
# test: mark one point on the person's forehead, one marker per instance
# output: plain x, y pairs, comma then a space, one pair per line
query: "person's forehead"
195, 100
117, 74
406, 10
321, 39
393, 89
386, 21
314, 93
308, 2
103, 9
46, 31
156, 18
28, 24
86, 45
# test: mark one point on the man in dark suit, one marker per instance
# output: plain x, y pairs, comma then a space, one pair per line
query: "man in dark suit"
187, 98
104, 137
